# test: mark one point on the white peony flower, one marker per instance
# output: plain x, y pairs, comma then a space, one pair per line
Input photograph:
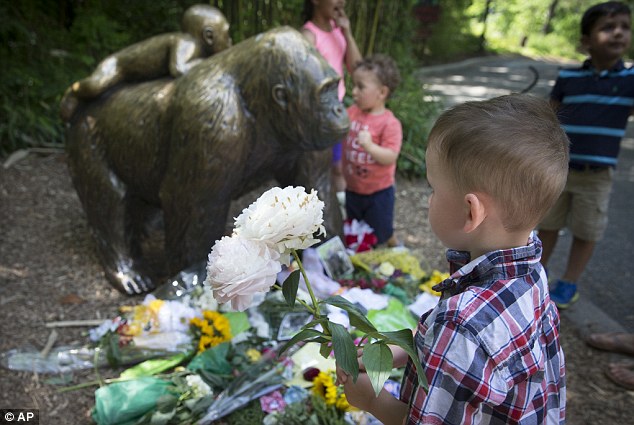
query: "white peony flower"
284, 219
238, 268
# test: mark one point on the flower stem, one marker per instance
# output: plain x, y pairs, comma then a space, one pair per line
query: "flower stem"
310, 289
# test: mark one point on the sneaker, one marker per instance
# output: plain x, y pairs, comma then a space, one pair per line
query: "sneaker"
564, 294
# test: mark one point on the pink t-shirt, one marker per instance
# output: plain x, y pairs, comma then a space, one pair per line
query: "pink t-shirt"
332, 46
364, 175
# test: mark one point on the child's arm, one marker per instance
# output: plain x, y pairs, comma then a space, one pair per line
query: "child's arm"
383, 156
386, 408
353, 55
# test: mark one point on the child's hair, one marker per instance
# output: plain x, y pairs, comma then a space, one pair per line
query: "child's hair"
309, 9
384, 68
594, 13
512, 148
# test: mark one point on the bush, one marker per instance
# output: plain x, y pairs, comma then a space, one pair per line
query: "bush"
417, 115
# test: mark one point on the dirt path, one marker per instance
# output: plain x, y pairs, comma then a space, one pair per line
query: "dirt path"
48, 272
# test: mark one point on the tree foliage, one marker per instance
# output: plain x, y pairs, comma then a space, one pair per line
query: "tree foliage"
544, 27
49, 44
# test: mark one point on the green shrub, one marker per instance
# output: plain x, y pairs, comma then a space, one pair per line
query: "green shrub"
417, 114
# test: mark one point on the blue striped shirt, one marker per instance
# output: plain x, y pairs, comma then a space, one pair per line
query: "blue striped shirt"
594, 108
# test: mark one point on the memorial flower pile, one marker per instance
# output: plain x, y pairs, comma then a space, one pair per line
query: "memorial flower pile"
211, 386
199, 356
278, 223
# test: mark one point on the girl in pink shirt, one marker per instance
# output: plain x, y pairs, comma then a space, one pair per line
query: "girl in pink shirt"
328, 28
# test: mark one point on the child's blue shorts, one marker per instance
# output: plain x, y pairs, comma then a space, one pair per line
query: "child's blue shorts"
376, 209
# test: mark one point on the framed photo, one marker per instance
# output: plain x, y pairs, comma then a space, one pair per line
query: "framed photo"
335, 259
292, 323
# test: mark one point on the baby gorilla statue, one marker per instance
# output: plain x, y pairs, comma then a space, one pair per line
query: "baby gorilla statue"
205, 32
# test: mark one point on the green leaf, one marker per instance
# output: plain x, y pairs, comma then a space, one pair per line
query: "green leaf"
405, 340
214, 380
289, 288
302, 335
325, 349
198, 406
377, 358
238, 320
113, 354
213, 359
345, 350
357, 318
166, 403
321, 320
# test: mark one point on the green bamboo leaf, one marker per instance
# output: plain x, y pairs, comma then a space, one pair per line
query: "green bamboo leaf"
357, 318
302, 335
377, 358
289, 288
345, 350
405, 340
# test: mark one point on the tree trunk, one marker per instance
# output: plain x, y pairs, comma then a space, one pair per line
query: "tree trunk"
485, 15
375, 24
548, 28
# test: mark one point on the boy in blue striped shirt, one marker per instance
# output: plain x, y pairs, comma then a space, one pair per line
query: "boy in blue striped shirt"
593, 103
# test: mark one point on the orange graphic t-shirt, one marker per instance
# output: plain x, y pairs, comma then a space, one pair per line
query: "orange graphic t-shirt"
364, 175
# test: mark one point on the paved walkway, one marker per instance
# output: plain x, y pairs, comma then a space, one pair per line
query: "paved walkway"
606, 288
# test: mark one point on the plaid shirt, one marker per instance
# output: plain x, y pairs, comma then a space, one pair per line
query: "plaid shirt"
490, 348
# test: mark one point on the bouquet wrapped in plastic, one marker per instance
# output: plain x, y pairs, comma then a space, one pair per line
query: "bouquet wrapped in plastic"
215, 383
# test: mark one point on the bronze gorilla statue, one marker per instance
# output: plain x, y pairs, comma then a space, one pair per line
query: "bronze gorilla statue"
156, 164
